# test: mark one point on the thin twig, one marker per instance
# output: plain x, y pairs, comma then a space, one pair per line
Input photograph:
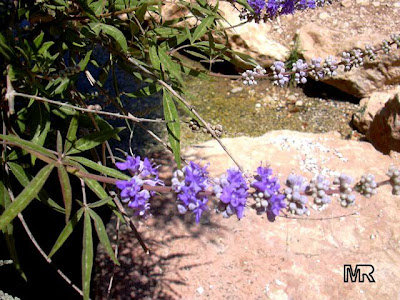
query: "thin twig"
116, 255
99, 112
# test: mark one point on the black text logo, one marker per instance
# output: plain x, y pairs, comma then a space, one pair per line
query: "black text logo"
360, 273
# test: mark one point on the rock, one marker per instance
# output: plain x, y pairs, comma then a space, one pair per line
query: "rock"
299, 103
324, 15
236, 90
316, 41
362, 2
346, 3
251, 38
384, 131
370, 106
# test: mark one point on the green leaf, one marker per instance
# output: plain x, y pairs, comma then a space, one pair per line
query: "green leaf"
101, 202
18, 171
173, 125
66, 232
111, 31
102, 169
66, 190
155, 61
62, 86
71, 134
45, 47
102, 234
9, 231
26, 196
146, 91
92, 140
41, 121
27, 145
196, 54
83, 63
87, 256
169, 66
202, 28
38, 40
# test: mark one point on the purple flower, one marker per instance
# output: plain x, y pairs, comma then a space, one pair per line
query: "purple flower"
188, 183
257, 6
267, 196
231, 189
132, 192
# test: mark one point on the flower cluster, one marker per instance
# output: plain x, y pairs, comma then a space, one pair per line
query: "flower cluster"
267, 196
295, 195
143, 172
346, 197
318, 68
394, 180
279, 74
189, 184
250, 75
367, 185
269, 9
318, 188
231, 189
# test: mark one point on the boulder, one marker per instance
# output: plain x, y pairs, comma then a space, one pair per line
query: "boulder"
316, 41
370, 106
384, 131
257, 259
251, 38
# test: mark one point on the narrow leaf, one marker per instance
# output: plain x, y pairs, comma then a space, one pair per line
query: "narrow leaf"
102, 234
169, 66
18, 171
87, 256
59, 143
71, 134
66, 190
66, 232
111, 31
8, 232
101, 202
173, 125
202, 28
27, 145
92, 140
102, 169
26, 196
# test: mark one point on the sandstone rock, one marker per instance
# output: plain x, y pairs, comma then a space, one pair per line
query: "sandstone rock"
315, 41
251, 38
384, 132
370, 106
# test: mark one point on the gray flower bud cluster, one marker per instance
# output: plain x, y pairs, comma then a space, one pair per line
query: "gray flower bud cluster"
346, 197
249, 77
318, 188
294, 195
367, 185
394, 174
352, 59
194, 125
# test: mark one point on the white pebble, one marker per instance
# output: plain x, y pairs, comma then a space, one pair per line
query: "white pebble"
200, 290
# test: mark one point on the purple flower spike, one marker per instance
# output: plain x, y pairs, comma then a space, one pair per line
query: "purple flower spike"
132, 192
267, 196
188, 183
231, 189
257, 6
